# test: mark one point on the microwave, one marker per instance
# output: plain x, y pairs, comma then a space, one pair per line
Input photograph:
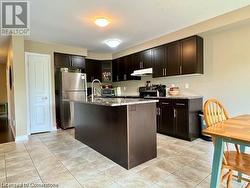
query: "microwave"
108, 92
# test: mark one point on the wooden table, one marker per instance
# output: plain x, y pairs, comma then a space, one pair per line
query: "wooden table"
234, 130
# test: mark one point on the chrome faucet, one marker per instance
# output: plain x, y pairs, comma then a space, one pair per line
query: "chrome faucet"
93, 89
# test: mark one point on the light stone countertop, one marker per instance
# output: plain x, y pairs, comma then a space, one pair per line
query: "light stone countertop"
115, 101
177, 97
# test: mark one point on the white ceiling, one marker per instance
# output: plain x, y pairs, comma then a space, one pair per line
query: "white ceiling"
133, 21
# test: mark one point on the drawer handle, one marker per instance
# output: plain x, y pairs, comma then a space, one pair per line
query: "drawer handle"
180, 104
166, 103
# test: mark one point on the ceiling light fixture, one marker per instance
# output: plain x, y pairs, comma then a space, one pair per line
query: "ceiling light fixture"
113, 43
102, 22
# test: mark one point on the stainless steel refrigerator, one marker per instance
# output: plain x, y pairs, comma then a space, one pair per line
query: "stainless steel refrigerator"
72, 87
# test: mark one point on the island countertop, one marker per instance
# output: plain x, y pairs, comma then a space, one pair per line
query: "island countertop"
114, 101
180, 96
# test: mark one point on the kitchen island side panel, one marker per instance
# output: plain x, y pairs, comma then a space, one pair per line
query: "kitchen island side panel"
103, 128
141, 133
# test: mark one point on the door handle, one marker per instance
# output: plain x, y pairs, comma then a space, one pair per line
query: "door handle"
163, 72
180, 69
180, 104
44, 98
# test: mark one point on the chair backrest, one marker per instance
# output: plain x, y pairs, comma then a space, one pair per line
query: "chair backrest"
214, 112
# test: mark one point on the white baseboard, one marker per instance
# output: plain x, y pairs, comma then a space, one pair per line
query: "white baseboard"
54, 129
21, 138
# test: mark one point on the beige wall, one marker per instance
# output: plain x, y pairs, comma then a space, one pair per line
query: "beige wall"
227, 70
99, 56
3, 84
233, 17
50, 48
46, 48
17, 95
10, 92
20, 99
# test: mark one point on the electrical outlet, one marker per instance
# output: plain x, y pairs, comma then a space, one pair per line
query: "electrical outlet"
186, 85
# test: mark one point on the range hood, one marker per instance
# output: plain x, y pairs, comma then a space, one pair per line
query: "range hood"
143, 72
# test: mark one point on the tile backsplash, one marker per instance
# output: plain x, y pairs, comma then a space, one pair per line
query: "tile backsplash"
186, 87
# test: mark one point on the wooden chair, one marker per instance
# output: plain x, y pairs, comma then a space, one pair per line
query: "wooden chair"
214, 113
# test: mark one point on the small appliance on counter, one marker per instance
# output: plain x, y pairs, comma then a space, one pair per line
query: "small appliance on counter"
107, 90
174, 91
152, 90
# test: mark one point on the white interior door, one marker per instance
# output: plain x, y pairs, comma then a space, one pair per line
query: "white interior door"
39, 87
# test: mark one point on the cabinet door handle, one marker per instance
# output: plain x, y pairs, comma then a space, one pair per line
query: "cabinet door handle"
158, 111
180, 69
165, 103
163, 72
70, 62
141, 64
117, 78
174, 113
180, 104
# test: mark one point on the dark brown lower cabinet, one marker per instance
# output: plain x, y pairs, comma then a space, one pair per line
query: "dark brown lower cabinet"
179, 118
165, 116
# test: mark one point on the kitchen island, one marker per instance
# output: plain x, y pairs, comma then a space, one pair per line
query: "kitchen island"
124, 130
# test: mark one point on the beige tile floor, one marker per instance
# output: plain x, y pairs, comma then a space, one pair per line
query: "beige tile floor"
57, 158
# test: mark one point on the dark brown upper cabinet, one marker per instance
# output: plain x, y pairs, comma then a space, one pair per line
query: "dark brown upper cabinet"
159, 61
99, 69
181, 57
146, 59
173, 59
132, 64
115, 70
77, 61
192, 55
62, 60
119, 69
176, 58
136, 61
106, 71
93, 70
123, 67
